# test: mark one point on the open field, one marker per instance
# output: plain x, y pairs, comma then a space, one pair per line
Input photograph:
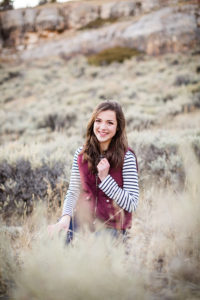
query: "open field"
44, 108
160, 260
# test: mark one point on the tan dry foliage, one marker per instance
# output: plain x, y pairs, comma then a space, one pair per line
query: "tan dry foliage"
162, 259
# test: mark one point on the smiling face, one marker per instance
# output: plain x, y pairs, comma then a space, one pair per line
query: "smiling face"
105, 127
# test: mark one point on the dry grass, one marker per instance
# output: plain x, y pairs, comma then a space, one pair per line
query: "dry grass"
45, 106
47, 103
150, 89
162, 261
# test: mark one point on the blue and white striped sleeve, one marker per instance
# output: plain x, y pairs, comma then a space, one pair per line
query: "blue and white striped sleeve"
73, 191
126, 197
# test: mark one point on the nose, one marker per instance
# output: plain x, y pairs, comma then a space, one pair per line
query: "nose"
103, 125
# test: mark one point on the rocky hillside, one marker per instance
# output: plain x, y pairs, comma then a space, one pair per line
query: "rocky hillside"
86, 27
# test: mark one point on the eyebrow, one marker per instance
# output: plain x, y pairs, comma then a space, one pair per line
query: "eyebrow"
106, 120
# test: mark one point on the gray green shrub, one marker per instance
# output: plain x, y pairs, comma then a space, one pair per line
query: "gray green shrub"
110, 55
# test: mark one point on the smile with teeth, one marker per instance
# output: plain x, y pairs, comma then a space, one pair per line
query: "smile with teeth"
102, 134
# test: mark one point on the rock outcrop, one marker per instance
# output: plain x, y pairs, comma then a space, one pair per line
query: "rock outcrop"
150, 26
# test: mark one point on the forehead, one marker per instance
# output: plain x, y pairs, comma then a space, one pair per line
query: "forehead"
107, 115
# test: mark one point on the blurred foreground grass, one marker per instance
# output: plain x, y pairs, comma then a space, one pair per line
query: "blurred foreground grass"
160, 260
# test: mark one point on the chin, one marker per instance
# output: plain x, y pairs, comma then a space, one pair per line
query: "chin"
102, 139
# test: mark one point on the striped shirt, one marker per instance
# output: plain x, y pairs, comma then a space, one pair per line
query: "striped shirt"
126, 197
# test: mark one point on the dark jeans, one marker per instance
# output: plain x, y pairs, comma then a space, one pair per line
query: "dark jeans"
73, 227
115, 233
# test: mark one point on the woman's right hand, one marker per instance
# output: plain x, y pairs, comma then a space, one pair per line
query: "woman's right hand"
63, 224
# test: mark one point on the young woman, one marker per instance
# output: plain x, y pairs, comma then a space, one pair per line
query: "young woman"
103, 190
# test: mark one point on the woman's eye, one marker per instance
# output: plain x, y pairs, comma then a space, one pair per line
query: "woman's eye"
97, 121
110, 123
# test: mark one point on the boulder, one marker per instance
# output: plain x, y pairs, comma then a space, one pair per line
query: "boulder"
78, 16
149, 5
12, 25
120, 9
12, 20
49, 18
165, 30
30, 19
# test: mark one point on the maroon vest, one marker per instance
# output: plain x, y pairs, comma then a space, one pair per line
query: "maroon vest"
95, 200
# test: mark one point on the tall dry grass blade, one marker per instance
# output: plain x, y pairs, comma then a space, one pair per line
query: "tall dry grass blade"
93, 268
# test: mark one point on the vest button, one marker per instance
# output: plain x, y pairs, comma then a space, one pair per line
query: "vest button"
108, 200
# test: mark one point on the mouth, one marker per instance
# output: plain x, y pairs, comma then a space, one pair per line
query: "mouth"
102, 134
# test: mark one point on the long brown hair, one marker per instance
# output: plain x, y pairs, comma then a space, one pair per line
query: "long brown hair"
118, 145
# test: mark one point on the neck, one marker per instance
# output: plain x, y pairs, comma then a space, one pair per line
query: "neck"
103, 147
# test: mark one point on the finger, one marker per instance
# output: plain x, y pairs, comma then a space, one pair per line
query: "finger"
103, 161
101, 168
58, 228
104, 165
65, 229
